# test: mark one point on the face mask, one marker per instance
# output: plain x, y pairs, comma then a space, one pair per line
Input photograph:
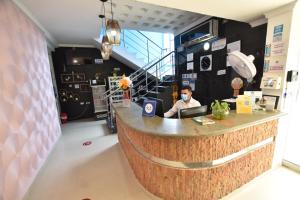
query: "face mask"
184, 97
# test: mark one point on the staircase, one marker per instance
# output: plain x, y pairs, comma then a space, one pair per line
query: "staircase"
154, 71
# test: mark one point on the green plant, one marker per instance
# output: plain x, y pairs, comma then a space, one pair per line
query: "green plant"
219, 110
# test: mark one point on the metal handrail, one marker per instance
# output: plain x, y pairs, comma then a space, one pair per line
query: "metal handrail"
165, 64
147, 39
136, 75
141, 81
128, 44
145, 87
144, 48
156, 62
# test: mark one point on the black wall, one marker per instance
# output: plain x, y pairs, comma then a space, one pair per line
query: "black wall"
209, 86
62, 60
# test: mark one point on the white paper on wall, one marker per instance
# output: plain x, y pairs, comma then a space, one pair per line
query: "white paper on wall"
219, 44
278, 49
192, 85
234, 46
190, 66
189, 57
276, 66
221, 72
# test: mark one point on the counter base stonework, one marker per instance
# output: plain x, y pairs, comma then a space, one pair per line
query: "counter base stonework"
146, 154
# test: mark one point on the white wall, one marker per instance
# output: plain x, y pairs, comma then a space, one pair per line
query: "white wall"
293, 89
289, 17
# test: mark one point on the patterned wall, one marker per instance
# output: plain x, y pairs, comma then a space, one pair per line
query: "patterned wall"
29, 124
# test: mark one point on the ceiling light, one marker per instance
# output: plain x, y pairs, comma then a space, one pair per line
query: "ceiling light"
113, 30
105, 46
105, 55
206, 46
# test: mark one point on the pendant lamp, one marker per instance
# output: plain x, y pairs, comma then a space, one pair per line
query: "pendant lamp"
113, 29
105, 55
105, 47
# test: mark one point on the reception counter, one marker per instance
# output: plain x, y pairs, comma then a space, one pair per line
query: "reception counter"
180, 159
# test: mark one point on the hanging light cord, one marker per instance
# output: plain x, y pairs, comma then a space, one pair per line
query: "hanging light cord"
112, 14
103, 20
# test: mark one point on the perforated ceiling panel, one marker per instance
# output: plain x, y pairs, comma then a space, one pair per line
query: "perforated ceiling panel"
29, 123
77, 22
137, 15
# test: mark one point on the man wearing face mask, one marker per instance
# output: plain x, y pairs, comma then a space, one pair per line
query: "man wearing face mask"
186, 101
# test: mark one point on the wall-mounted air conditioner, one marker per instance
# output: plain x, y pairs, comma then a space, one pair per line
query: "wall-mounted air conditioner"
201, 33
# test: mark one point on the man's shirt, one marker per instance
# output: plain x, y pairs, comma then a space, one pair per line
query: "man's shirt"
180, 104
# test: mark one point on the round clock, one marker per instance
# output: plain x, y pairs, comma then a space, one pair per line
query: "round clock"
206, 63
148, 108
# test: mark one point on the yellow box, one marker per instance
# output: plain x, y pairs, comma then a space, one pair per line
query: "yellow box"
243, 104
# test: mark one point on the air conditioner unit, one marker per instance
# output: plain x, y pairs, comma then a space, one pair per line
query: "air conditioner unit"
201, 33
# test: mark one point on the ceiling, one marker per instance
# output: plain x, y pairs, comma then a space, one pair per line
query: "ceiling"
77, 22
240, 10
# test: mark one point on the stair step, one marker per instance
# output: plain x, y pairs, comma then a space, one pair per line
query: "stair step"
160, 88
167, 83
153, 94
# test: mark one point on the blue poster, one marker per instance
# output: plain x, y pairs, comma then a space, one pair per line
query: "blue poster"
277, 33
278, 29
149, 108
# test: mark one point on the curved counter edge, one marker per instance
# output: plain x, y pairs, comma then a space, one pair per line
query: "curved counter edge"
196, 167
166, 127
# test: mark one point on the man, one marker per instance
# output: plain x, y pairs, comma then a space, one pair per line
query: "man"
186, 101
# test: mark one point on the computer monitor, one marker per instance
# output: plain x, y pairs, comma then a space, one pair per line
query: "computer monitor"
193, 112
159, 106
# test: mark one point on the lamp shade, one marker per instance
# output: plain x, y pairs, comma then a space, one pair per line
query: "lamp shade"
113, 32
105, 55
105, 45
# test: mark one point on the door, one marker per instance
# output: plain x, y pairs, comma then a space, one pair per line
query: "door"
292, 153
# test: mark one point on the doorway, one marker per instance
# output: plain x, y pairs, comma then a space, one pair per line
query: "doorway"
292, 156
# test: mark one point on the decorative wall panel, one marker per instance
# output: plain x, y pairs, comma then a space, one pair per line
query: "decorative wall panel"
29, 124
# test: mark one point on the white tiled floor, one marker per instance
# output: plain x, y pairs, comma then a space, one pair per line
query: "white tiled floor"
100, 171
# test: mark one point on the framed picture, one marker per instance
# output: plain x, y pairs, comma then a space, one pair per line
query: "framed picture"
272, 98
149, 108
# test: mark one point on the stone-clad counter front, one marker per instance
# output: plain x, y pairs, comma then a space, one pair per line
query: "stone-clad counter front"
180, 159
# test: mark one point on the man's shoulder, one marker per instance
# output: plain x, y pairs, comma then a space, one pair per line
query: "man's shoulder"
180, 101
194, 101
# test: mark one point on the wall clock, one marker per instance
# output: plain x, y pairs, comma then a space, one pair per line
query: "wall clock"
206, 63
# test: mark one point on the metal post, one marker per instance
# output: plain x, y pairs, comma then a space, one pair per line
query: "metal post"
173, 67
146, 80
123, 37
148, 50
156, 77
130, 93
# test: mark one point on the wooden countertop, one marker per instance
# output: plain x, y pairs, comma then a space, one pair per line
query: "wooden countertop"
166, 127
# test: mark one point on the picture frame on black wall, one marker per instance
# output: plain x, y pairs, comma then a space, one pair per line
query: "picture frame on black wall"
271, 98
98, 61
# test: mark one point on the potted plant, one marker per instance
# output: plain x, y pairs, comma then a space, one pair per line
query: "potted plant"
219, 110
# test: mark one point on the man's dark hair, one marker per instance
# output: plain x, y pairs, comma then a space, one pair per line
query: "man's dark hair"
186, 87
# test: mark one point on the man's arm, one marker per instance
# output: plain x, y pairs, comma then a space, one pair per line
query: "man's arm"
172, 111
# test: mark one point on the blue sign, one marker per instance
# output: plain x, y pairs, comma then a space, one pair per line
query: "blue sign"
149, 108
278, 29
